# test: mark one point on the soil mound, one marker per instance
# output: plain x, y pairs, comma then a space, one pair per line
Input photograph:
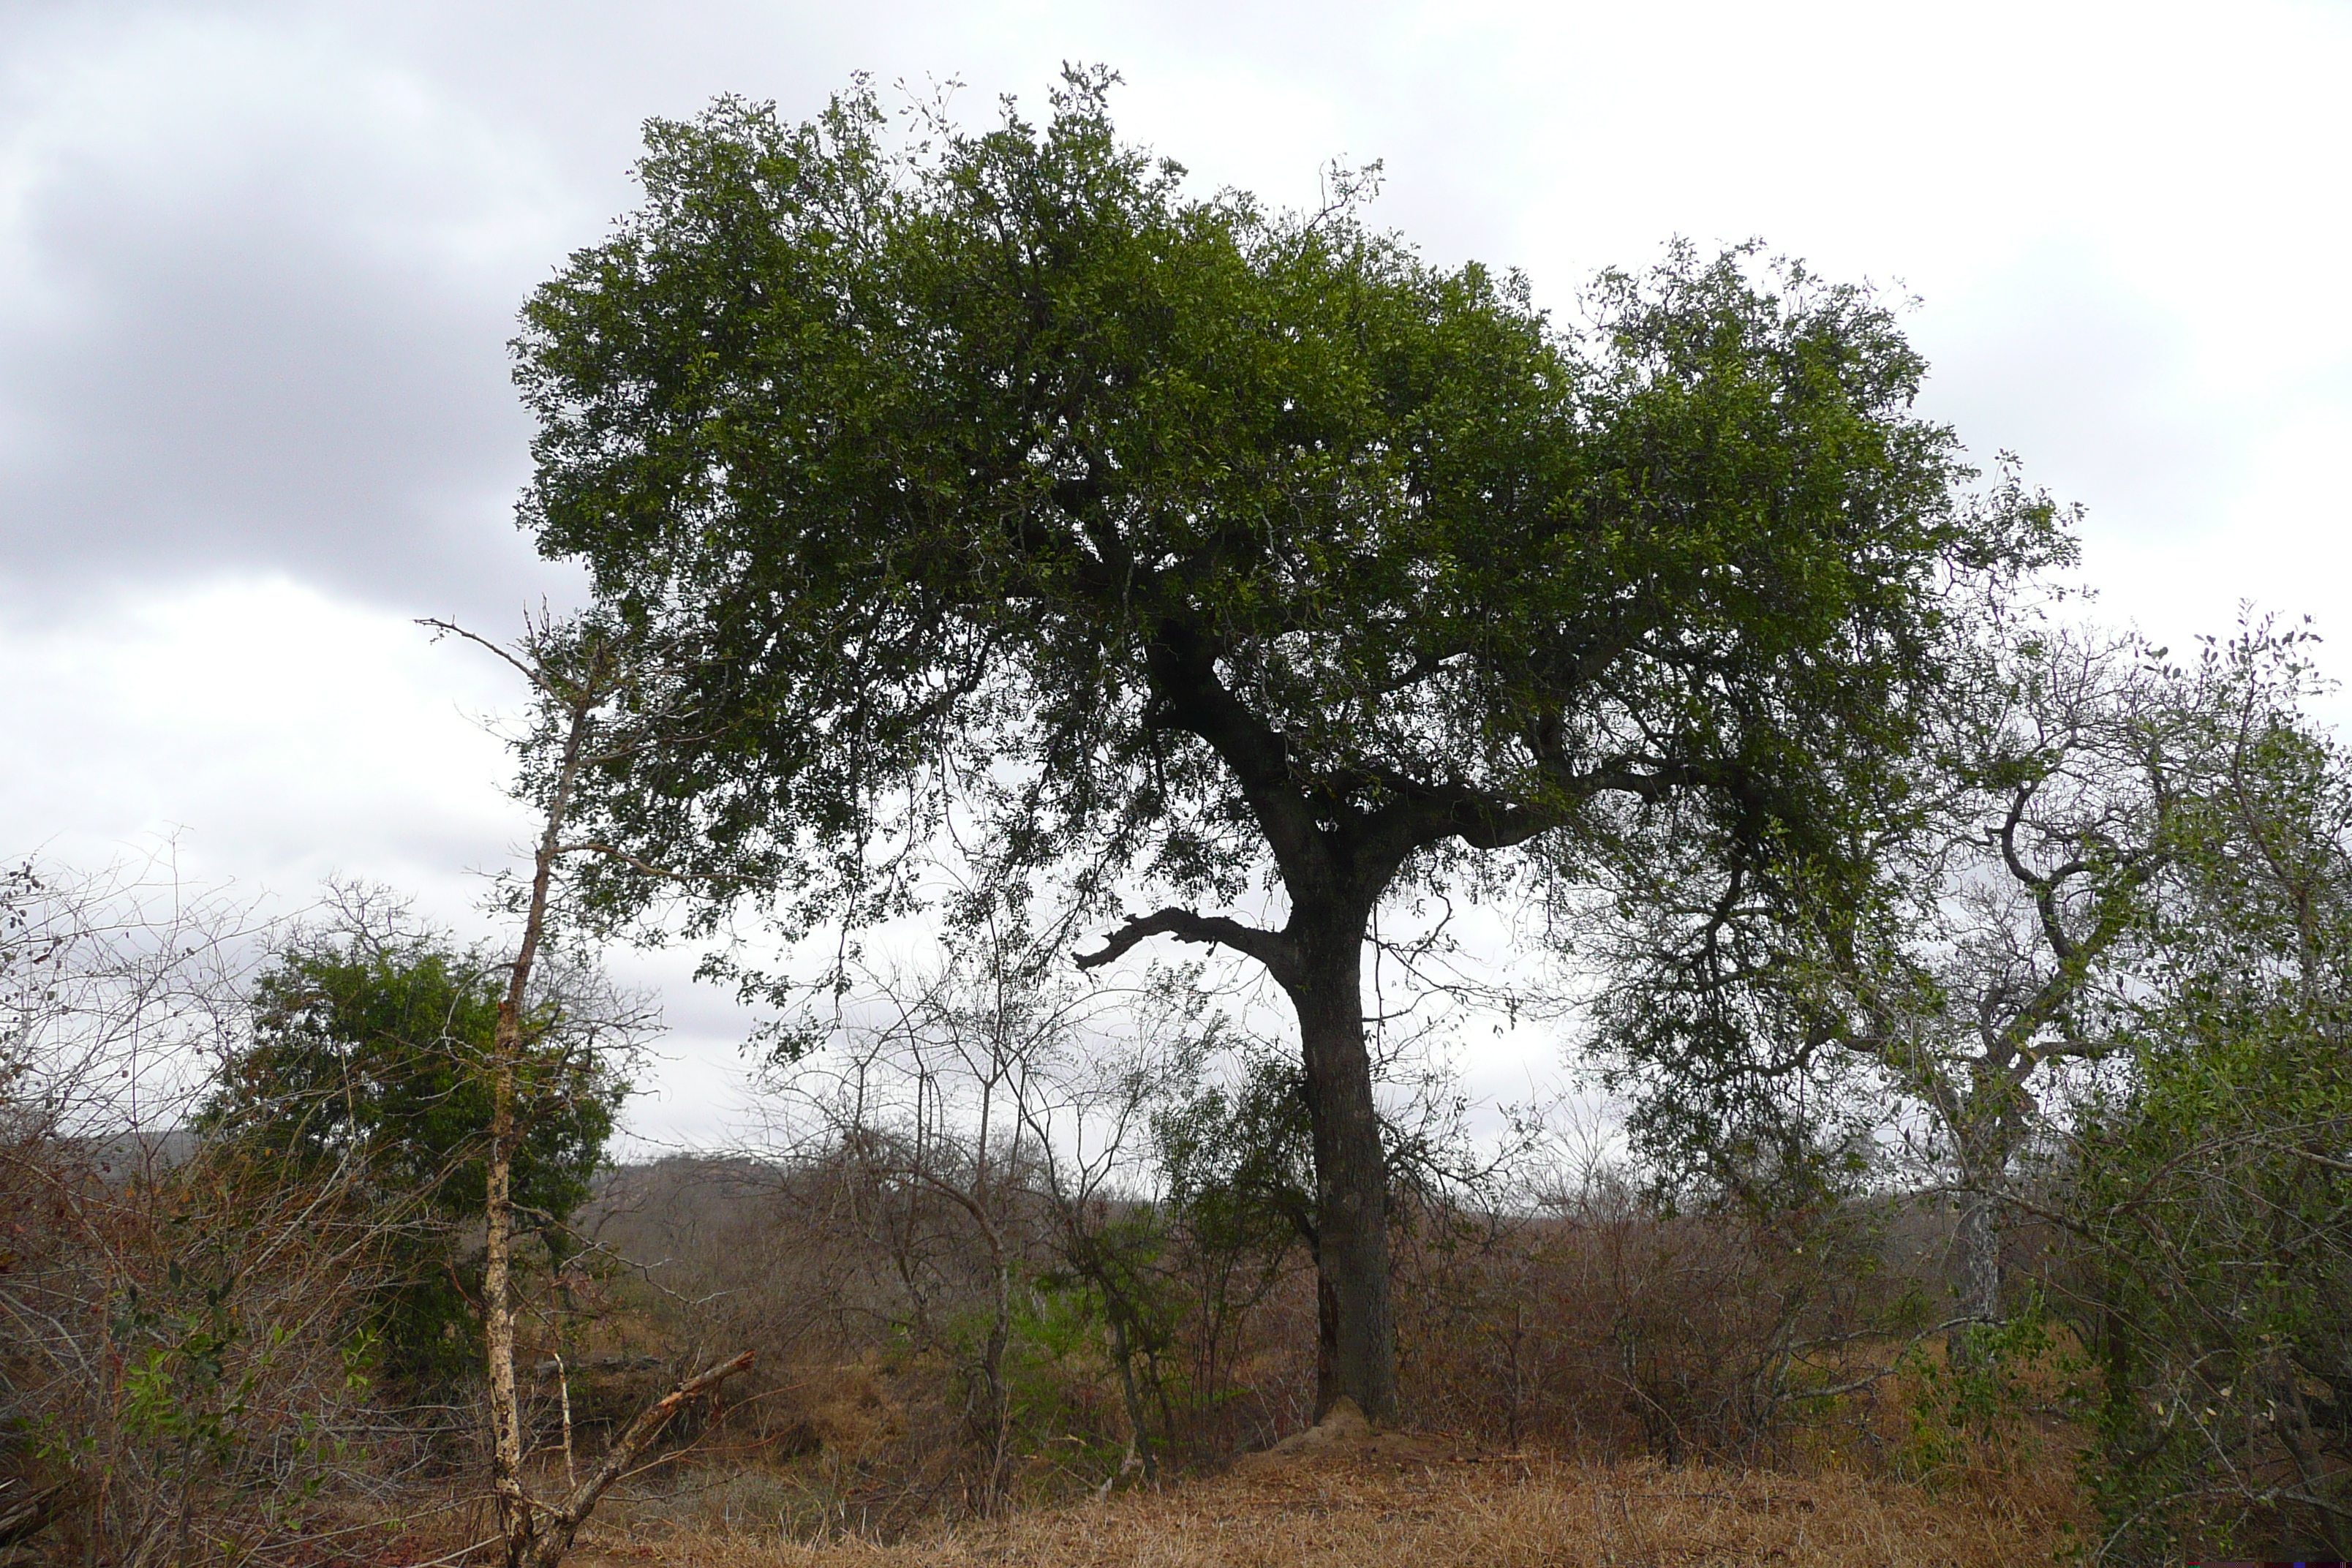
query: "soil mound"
1343, 1436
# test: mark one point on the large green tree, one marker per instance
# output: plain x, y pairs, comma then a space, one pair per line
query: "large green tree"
1188, 549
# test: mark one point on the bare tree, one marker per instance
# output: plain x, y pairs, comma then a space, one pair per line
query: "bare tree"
179, 1362
921, 1112
1964, 963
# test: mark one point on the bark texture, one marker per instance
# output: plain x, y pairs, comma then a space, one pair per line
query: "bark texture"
1350, 1181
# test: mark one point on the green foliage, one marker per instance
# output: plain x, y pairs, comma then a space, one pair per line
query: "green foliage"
1235, 1156
1060, 1352
1170, 533
1974, 1396
176, 1386
367, 1053
204, 1364
2223, 1287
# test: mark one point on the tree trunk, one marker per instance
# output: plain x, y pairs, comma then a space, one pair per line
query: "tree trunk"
997, 1419
1327, 1339
1138, 1437
517, 1525
1977, 1241
1351, 1261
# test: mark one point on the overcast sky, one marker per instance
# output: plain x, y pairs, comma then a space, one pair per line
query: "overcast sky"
258, 264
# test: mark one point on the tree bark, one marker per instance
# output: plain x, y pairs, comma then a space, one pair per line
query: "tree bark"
1976, 1240
516, 1523
1358, 1359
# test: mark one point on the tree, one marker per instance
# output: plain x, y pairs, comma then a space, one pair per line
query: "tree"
2205, 1192
1190, 548
368, 1043
577, 671
2112, 963
1980, 960
925, 1132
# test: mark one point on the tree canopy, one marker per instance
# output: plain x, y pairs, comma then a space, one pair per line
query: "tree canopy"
996, 482
368, 1049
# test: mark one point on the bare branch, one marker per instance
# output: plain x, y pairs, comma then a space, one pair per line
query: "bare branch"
1272, 949
549, 1547
529, 671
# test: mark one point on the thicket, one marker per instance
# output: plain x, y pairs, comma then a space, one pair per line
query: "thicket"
182, 1366
361, 1051
1008, 1239
2205, 1192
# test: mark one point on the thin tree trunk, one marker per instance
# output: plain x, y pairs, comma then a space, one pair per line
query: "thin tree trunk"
1139, 1440
1350, 1172
517, 1523
527, 1545
1976, 1240
1000, 1400
514, 1505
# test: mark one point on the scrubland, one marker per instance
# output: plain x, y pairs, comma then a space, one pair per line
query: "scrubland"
967, 1345
1590, 1385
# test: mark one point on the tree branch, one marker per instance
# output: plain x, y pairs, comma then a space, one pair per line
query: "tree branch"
1421, 813
1270, 948
1181, 664
535, 674
612, 852
549, 1548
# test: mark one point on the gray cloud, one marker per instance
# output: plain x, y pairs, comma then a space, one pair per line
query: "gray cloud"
262, 334
257, 262
264, 260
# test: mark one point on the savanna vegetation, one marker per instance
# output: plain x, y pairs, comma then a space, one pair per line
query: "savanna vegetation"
991, 537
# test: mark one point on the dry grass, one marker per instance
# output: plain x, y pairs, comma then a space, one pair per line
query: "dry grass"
1417, 1501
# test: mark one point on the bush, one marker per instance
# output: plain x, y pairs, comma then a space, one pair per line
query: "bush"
365, 1055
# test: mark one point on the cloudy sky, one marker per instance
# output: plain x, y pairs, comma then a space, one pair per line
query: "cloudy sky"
258, 264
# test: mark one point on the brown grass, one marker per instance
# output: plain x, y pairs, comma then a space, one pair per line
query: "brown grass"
1418, 1501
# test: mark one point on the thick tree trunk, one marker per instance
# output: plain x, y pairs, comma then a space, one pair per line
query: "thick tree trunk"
1350, 1172
1976, 1240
